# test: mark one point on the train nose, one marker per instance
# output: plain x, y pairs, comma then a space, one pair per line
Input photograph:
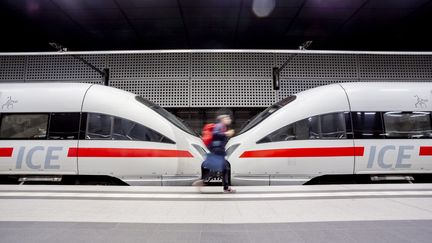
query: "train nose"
202, 151
231, 149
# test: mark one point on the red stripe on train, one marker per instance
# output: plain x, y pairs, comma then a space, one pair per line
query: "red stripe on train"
304, 152
127, 153
6, 152
425, 151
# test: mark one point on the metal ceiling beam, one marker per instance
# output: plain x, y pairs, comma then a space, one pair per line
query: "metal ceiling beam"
214, 51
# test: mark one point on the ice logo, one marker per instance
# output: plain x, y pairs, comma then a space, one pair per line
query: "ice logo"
420, 102
9, 103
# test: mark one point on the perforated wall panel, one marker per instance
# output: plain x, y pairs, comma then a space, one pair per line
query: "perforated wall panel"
232, 65
232, 92
215, 79
153, 65
318, 66
395, 67
63, 67
94, 81
12, 68
164, 92
294, 86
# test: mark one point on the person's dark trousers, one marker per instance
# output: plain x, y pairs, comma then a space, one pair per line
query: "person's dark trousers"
226, 173
226, 176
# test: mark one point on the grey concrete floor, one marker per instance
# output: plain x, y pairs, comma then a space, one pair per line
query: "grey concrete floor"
351, 231
330, 214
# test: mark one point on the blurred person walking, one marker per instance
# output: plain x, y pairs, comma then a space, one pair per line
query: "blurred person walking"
216, 136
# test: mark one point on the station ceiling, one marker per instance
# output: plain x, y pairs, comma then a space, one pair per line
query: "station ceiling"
400, 25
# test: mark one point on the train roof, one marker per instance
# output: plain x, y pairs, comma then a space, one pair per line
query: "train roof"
389, 96
379, 86
42, 97
370, 96
59, 85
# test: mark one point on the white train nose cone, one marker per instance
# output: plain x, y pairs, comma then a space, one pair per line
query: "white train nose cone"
231, 149
202, 151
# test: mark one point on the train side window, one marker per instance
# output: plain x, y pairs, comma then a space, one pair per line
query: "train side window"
333, 126
315, 127
24, 126
99, 126
129, 130
122, 128
348, 125
285, 133
327, 126
367, 125
407, 124
83, 125
295, 131
301, 129
64, 126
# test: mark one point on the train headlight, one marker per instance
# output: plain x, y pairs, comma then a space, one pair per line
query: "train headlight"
231, 149
200, 150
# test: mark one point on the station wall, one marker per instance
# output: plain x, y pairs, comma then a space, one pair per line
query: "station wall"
187, 82
217, 79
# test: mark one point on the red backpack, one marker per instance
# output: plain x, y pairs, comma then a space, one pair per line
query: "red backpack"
207, 133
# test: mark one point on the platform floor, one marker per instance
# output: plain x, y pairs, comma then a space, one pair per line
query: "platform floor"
336, 213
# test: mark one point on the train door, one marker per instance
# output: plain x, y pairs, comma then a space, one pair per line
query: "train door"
38, 143
394, 142
126, 150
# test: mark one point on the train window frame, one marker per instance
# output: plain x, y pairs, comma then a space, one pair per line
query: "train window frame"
75, 137
289, 136
83, 126
375, 134
111, 118
341, 120
25, 113
314, 127
163, 139
408, 134
349, 125
347, 133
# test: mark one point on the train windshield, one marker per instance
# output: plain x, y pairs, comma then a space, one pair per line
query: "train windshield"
166, 114
266, 113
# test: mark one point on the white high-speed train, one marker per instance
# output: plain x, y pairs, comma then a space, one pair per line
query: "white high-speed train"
84, 133
360, 131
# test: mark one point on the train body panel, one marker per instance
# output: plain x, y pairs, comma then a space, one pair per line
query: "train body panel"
390, 155
136, 161
37, 157
115, 133
292, 163
393, 156
313, 135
